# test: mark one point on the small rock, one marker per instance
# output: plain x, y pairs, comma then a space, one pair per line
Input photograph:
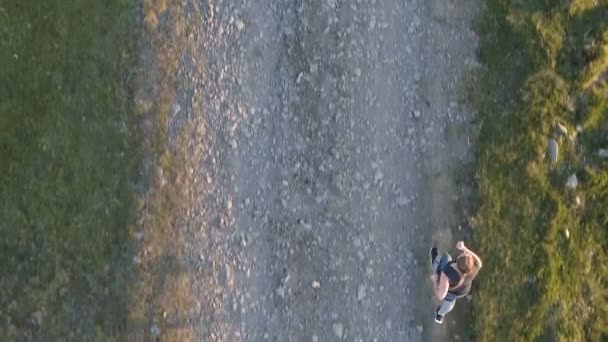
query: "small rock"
372, 24
240, 25
378, 176
37, 318
416, 114
280, 291
577, 201
572, 182
553, 150
419, 328
579, 128
361, 292
402, 201
176, 108
388, 324
315, 338
314, 67
357, 72
567, 233
561, 129
602, 153
411, 28
315, 284
154, 330
338, 329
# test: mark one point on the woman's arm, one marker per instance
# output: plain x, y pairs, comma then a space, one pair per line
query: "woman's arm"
441, 285
460, 246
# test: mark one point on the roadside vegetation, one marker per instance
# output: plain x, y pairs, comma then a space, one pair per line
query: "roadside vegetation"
69, 158
545, 246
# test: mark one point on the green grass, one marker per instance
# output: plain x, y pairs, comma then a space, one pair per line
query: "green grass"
541, 62
68, 159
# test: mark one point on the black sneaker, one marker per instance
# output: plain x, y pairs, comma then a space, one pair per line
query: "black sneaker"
438, 317
433, 253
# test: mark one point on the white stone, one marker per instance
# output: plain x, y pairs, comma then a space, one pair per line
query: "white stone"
240, 25
553, 150
402, 201
154, 331
572, 182
338, 329
175, 109
361, 292
561, 129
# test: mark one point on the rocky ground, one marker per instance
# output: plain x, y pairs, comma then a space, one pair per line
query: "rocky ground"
320, 140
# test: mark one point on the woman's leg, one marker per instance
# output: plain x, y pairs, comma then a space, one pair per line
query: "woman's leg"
441, 261
446, 307
436, 264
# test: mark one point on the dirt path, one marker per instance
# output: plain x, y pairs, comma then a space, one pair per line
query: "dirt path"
319, 142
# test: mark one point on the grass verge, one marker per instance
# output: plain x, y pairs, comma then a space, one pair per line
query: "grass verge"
69, 157
161, 301
545, 247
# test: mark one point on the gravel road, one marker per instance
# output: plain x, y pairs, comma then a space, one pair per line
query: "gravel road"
321, 138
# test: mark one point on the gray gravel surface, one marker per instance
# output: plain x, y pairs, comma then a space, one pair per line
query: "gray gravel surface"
320, 140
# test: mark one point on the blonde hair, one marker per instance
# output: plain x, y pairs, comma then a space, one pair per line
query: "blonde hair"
465, 264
